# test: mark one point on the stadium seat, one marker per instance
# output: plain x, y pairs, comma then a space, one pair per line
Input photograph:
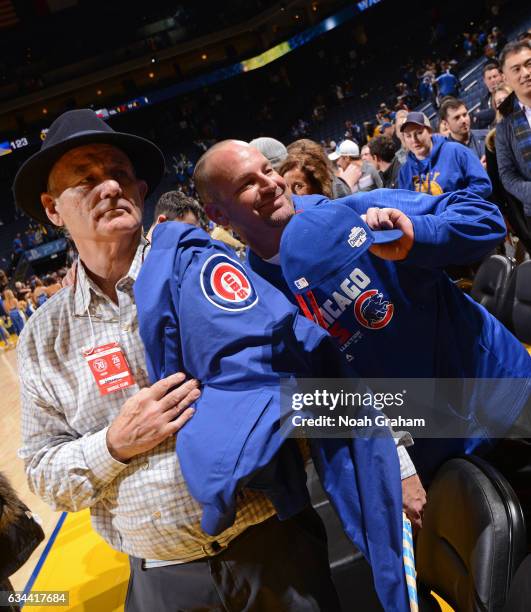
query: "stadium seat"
520, 592
473, 538
521, 312
490, 283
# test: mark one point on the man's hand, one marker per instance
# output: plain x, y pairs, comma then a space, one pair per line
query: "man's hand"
413, 500
391, 218
152, 415
351, 176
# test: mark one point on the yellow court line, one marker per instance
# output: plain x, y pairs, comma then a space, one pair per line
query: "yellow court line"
444, 606
81, 563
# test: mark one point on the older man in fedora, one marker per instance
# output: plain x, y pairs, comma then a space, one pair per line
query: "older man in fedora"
96, 435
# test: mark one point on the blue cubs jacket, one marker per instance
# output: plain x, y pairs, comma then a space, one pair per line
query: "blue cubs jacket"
407, 319
202, 313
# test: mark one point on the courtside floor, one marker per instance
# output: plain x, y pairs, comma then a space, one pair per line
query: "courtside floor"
79, 561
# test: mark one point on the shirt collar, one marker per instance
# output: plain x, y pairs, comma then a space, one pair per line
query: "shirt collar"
275, 260
85, 288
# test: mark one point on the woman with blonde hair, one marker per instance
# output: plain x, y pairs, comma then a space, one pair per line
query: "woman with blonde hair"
498, 96
501, 92
12, 309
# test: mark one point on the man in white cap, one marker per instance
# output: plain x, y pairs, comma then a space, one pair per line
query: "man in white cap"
359, 175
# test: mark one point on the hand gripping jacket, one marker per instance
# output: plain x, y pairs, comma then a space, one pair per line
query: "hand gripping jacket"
200, 312
407, 319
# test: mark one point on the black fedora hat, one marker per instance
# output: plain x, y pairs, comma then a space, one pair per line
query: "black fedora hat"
74, 129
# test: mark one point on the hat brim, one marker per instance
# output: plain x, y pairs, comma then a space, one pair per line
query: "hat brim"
333, 156
404, 125
32, 177
385, 236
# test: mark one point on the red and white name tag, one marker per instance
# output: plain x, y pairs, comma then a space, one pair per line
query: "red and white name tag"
109, 368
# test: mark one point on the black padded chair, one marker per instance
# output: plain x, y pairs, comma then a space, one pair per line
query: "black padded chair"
473, 537
490, 282
521, 311
519, 599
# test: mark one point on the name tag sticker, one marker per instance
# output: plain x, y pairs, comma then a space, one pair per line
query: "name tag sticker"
109, 368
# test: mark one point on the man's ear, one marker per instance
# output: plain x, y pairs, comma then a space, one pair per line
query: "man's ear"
161, 219
142, 188
216, 214
52, 213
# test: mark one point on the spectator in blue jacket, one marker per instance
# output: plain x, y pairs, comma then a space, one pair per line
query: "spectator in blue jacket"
447, 84
513, 133
436, 166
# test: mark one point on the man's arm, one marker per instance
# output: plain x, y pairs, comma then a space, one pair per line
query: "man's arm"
453, 228
510, 176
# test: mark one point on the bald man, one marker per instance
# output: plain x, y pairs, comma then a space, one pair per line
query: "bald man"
238, 187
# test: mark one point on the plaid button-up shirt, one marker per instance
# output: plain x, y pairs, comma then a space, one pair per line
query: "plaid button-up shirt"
143, 507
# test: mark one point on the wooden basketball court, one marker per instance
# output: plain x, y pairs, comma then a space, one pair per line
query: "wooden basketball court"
73, 557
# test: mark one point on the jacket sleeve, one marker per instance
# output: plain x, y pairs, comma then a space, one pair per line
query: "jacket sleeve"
453, 228
476, 177
510, 176
251, 346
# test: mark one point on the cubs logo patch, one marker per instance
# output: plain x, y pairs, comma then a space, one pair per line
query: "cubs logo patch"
373, 310
226, 285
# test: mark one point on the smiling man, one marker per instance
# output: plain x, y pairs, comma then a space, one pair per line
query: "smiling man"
513, 133
238, 187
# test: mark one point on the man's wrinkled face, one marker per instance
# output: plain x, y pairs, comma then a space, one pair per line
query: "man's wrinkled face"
94, 193
517, 72
246, 192
418, 140
458, 120
492, 78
